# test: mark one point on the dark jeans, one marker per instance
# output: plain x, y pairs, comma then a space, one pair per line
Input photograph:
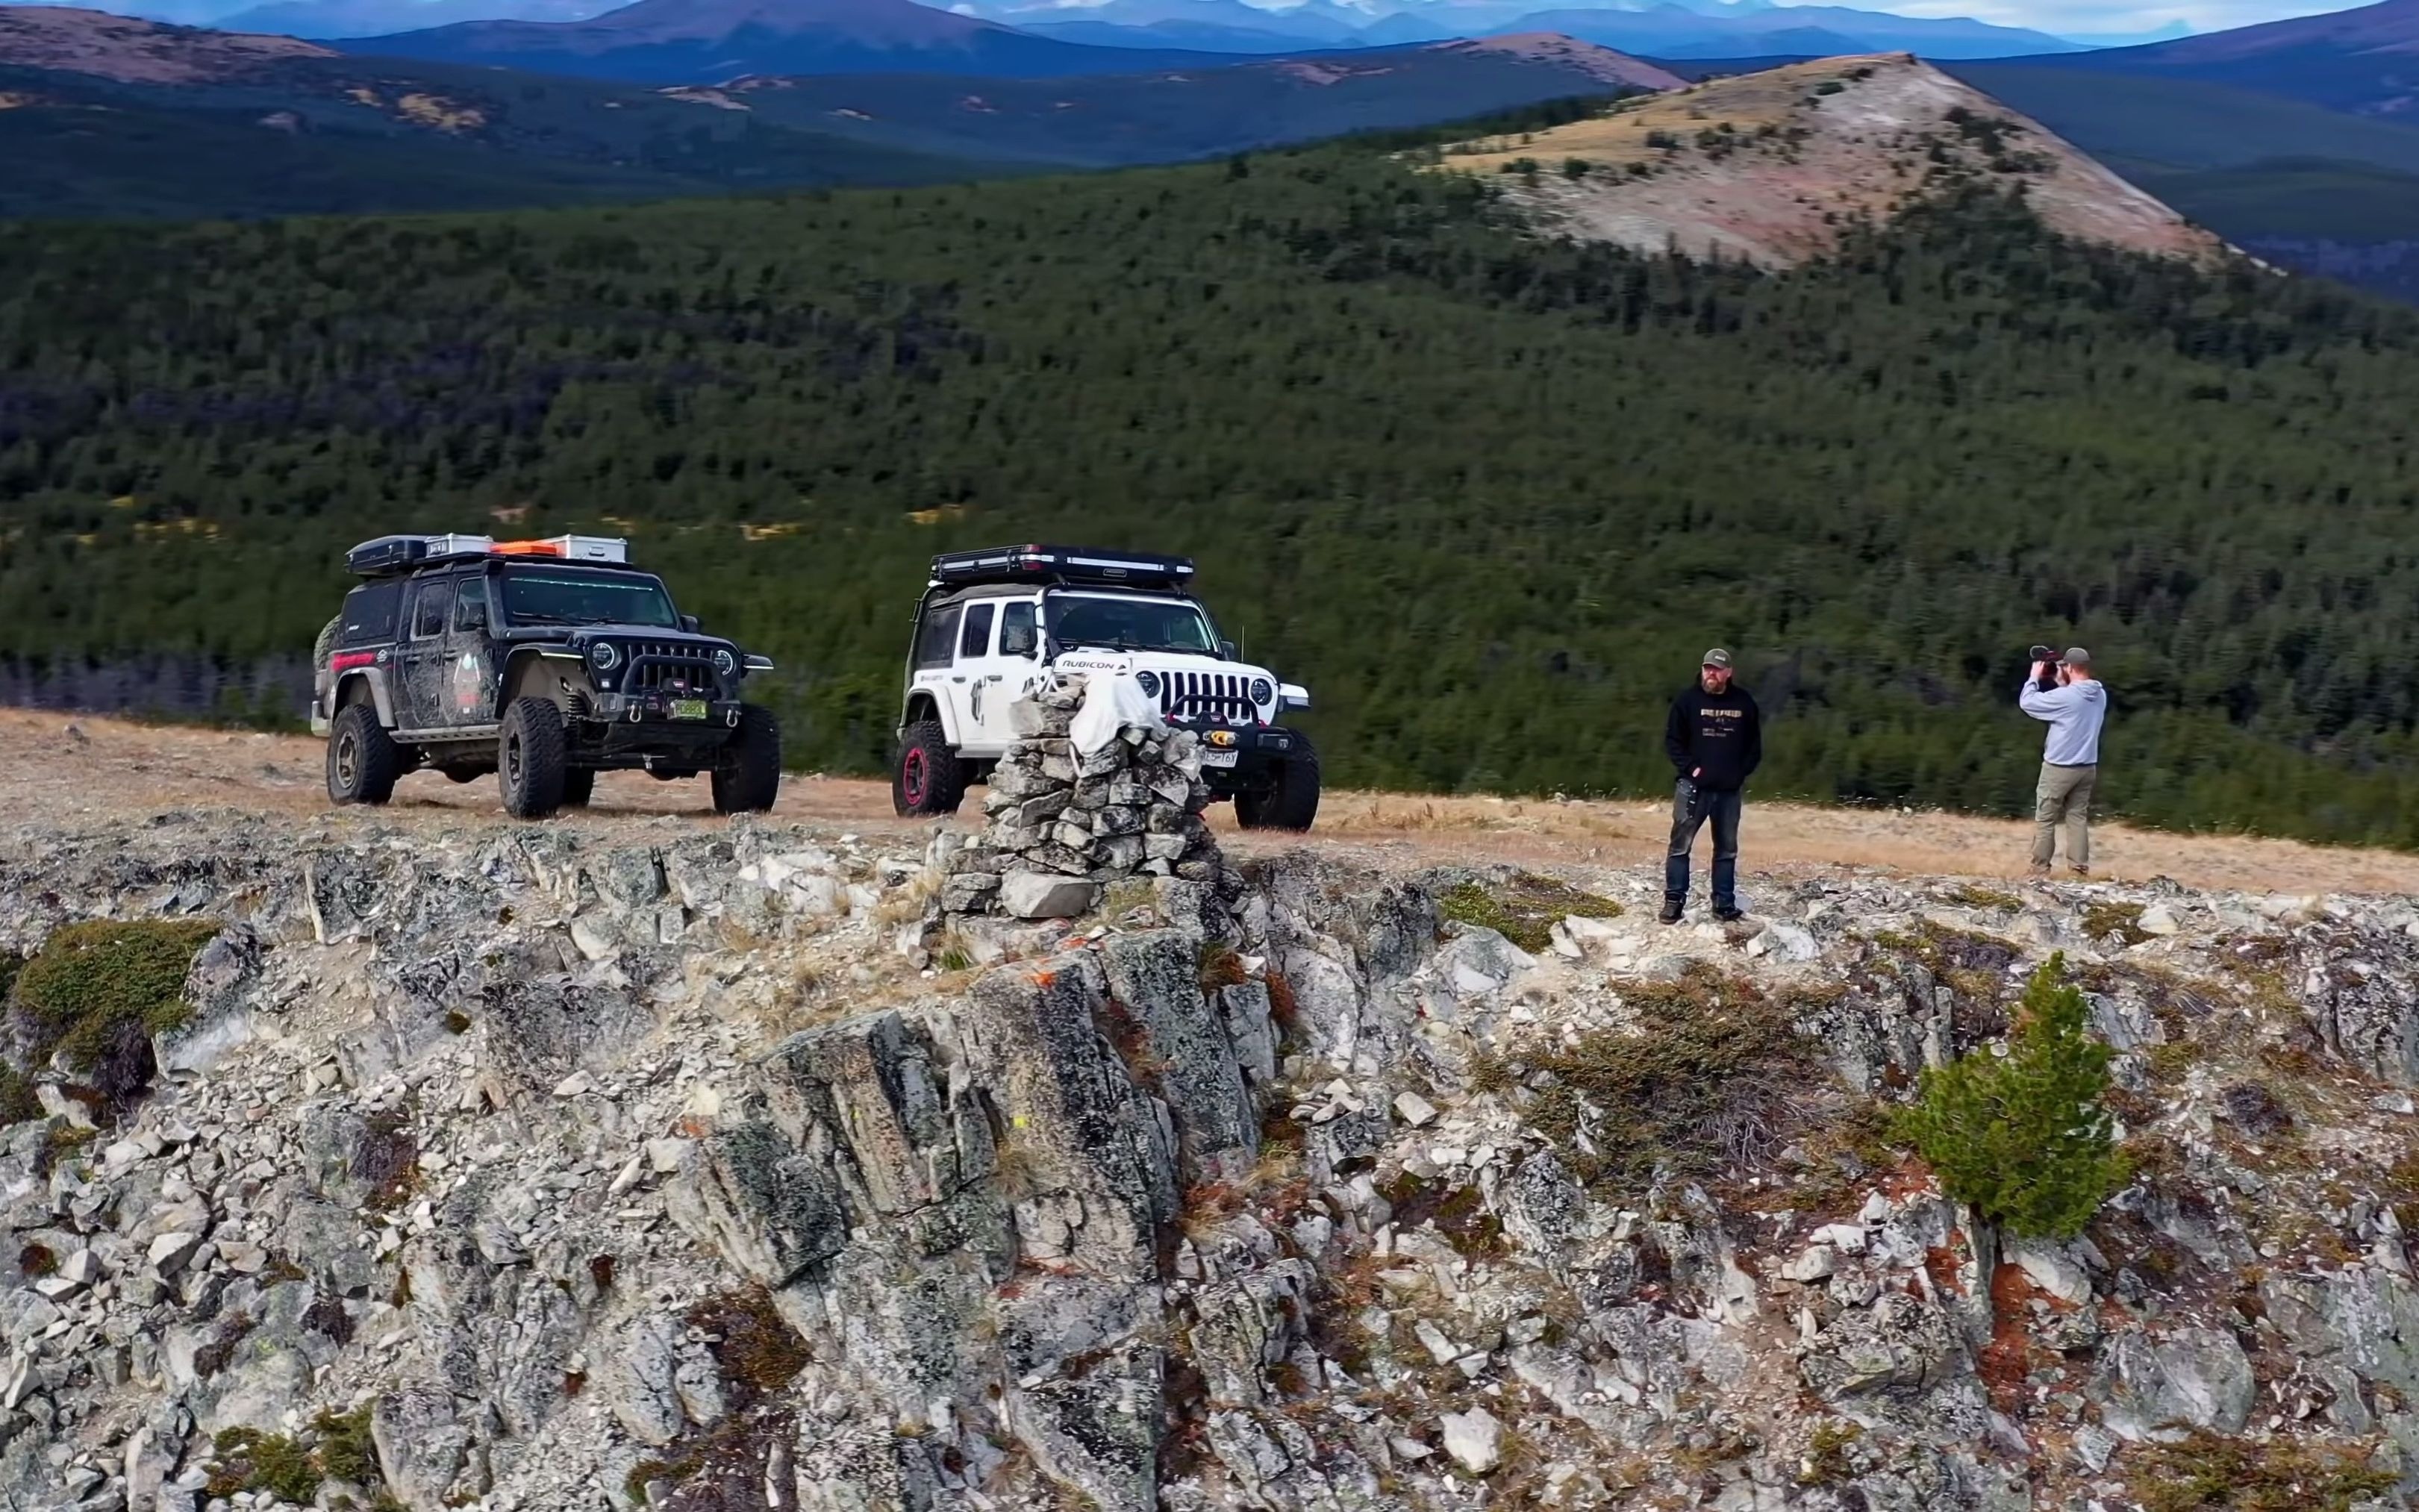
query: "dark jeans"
1692, 806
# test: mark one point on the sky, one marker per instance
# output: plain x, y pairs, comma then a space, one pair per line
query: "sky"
2070, 16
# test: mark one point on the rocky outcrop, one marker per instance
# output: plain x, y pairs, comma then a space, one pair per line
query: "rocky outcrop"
556, 1169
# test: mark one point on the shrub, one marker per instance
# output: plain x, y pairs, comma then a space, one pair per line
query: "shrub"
2026, 1140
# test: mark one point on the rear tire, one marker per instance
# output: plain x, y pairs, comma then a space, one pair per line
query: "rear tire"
362, 759
749, 776
1293, 803
927, 778
578, 786
532, 758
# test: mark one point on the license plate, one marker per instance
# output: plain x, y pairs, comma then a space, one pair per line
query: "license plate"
1220, 758
688, 708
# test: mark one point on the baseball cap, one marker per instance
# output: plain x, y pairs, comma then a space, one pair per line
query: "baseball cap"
2077, 657
1716, 657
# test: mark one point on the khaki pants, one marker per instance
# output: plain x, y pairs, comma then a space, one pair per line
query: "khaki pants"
2065, 796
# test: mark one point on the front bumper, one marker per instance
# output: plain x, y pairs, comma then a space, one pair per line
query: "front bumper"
1240, 756
640, 725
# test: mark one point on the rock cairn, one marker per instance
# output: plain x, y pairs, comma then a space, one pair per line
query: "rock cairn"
1063, 824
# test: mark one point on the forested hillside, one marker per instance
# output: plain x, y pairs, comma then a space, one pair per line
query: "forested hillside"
1488, 496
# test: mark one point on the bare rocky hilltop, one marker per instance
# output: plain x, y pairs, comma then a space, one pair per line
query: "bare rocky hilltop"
383, 1162
1774, 168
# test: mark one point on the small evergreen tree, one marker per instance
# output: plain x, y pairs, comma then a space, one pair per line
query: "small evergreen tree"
2024, 1139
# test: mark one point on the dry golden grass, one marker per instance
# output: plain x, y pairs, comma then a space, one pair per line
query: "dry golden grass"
114, 769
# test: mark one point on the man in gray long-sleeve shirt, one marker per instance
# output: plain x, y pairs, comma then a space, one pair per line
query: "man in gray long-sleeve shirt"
2074, 710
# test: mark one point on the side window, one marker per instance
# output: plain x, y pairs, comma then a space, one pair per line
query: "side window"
1018, 634
428, 608
938, 639
471, 605
975, 639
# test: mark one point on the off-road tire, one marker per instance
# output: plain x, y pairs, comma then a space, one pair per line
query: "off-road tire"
578, 786
362, 759
1293, 802
532, 758
927, 778
747, 776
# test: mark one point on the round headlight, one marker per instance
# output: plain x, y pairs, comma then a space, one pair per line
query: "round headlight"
603, 654
725, 663
1149, 683
1261, 691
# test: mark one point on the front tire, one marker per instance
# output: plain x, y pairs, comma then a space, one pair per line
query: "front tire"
532, 758
929, 779
362, 759
1293, 803
749, 776
578, 786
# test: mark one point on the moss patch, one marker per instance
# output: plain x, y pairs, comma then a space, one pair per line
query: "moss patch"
758, 1350
2207, 1472
1708, 1078
1525, 909
93, 997
2121, 922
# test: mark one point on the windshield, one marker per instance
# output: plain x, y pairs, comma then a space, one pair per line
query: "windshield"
1131, 623
586, 598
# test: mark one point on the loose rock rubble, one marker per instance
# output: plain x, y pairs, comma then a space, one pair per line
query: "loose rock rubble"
1064, 825
536, 1170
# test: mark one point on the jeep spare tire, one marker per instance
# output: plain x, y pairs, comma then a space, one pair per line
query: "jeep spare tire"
363, 761
1292, 803
322, 651
747, 775
927, 778
532, 758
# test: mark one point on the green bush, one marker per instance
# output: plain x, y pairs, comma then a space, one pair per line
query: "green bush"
2026, 1140
91, 981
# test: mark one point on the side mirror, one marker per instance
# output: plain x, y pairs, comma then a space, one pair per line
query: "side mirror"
689, 623
1016, 640
1228, 652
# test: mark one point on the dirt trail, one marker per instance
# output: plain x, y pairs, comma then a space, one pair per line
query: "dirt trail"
78, 771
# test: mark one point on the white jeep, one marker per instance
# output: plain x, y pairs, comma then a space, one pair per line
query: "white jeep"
994, 625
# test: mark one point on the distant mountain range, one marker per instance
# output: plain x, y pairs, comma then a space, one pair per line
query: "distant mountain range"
109, 116
1677, 28
2365, 61
1173, 114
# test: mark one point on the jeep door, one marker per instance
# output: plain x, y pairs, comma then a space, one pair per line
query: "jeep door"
1000, 668
968, 678
423, 655
470, 691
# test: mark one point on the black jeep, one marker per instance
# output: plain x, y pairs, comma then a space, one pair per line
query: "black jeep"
545, 662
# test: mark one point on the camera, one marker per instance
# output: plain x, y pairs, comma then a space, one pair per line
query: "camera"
2047, 682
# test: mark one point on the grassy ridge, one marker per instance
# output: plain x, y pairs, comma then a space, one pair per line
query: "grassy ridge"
1488, 496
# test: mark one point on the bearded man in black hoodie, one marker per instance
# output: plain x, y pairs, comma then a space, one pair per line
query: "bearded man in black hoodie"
1715, 738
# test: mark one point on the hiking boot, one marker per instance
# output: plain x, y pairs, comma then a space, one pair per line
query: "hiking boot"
2040, 871
1730, 916
2083, 873
1672, 911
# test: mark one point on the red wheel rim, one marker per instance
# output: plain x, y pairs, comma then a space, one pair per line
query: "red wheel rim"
911, 778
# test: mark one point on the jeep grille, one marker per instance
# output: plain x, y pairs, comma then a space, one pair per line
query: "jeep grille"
659, 665
1218, 695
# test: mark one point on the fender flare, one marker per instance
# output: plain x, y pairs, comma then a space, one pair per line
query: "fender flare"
374, 678
521, 663
923, 704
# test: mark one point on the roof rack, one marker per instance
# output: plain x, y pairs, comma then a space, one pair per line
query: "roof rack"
1061, 565
391, 554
